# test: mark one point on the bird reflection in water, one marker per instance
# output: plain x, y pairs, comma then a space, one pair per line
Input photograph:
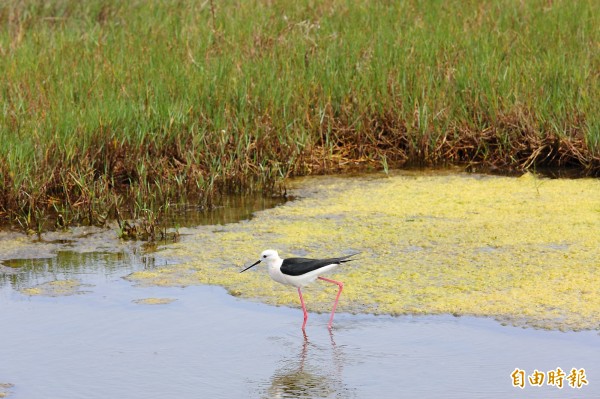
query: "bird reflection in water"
311, 374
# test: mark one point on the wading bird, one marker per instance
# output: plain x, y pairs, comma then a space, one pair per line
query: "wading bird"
300, 272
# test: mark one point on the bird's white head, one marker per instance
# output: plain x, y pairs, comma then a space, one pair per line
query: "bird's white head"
268, 256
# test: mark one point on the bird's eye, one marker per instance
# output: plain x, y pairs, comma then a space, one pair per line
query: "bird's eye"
264, 256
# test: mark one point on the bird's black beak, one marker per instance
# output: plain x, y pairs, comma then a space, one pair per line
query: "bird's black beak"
252, 265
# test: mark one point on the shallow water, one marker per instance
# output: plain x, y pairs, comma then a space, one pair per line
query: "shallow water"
114, 339
210, 344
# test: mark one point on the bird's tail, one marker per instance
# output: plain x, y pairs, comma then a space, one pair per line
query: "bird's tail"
345, 259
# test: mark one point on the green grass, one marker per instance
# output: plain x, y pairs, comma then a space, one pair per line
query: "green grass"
138, 104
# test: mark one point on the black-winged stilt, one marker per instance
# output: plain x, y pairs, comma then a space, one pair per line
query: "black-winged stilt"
300, 272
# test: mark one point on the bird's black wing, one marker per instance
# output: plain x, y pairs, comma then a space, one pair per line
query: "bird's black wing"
300, 266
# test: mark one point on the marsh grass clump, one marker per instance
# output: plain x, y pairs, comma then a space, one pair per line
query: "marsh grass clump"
159, 102
149, 226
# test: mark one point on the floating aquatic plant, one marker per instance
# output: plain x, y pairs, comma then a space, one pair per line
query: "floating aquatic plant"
522, 252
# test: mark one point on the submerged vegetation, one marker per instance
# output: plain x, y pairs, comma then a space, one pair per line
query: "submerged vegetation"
154, 301
109, 106
56, 288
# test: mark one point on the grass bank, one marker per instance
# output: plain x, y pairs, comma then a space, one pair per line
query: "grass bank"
108, 105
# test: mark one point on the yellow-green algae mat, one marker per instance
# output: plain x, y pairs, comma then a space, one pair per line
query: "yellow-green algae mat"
56, 288
154, 301
522, 250
3, 387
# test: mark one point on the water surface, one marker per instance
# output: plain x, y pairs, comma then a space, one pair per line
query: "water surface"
114, 338
210, 344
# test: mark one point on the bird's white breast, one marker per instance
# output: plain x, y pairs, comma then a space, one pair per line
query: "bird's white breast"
275, 272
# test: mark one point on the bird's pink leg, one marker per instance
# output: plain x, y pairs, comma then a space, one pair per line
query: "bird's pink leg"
339, 284
303, 308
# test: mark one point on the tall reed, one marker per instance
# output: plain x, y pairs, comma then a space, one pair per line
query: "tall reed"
159, 101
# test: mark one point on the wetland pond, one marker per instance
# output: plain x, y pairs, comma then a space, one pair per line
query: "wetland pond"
462, 280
